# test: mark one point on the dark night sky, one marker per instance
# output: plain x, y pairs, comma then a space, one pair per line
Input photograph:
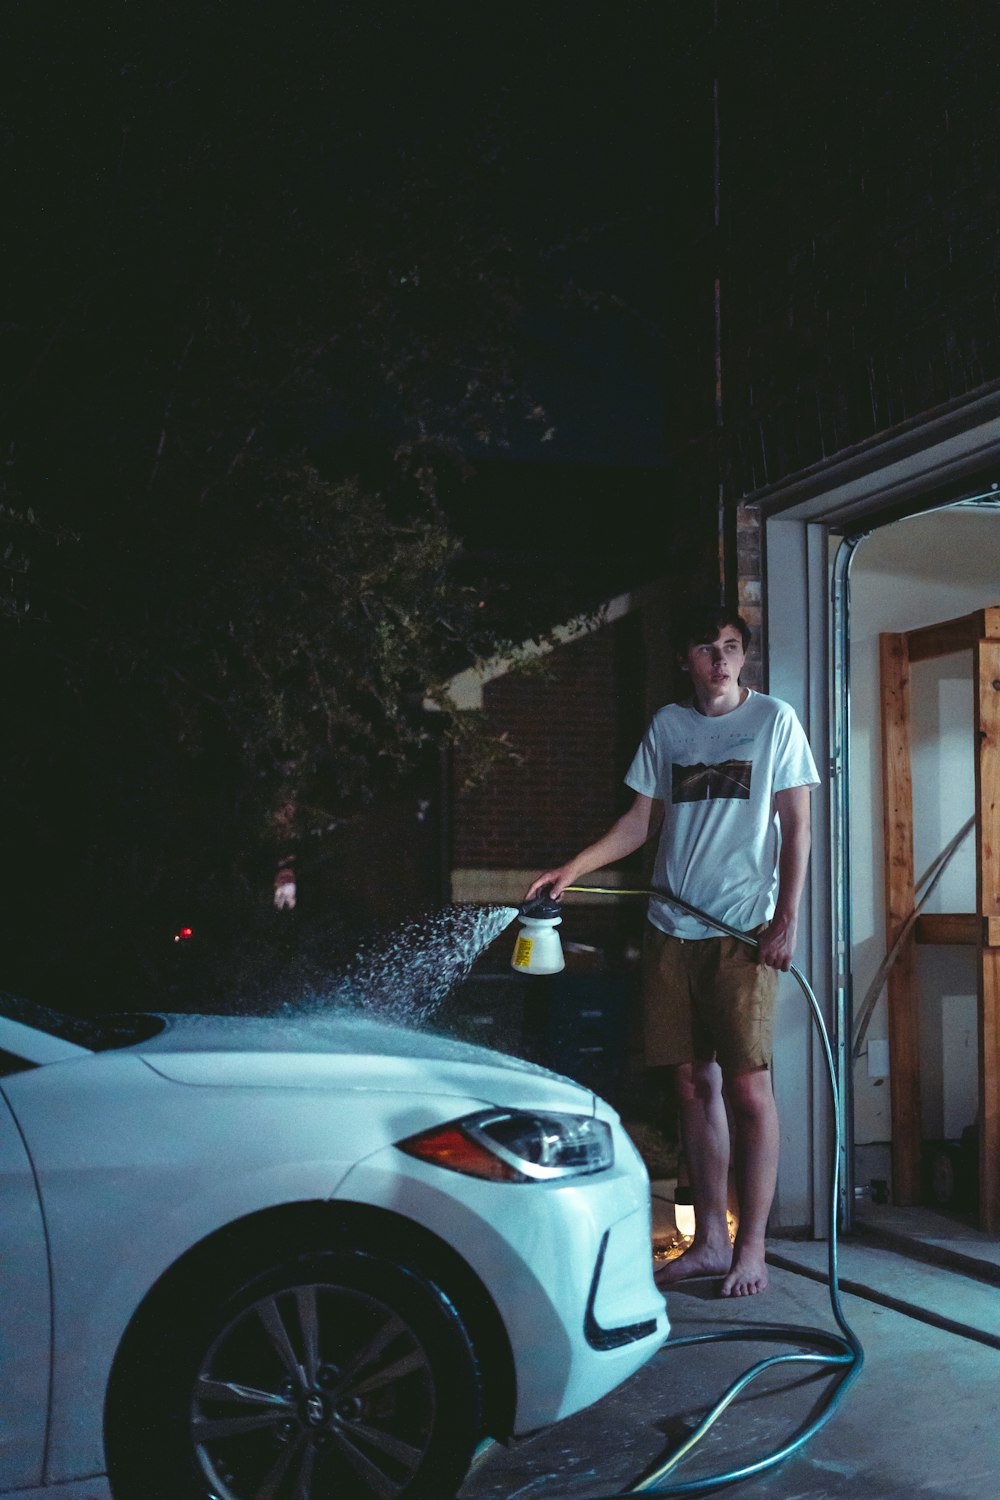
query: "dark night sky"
579, 95
594, 124
606, 129
602, 129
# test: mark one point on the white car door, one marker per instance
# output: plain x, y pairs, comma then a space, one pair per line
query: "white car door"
25, 1348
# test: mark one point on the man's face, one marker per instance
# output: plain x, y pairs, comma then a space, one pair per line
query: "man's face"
715, 666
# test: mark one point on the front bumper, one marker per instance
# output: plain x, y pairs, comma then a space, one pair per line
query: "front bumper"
568, 1265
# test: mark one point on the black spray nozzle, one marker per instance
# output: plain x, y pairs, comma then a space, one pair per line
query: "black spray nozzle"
542, 907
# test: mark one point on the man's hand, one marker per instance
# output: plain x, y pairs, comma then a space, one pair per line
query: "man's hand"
777, 943
558, 880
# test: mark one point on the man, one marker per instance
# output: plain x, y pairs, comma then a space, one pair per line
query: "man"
726, 778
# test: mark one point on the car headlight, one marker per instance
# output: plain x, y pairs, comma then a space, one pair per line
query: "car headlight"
516, 1146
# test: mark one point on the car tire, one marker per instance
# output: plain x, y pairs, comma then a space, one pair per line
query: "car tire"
331, 1374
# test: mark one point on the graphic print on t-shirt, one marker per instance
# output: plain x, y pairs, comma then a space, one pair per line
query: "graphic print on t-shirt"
729, 780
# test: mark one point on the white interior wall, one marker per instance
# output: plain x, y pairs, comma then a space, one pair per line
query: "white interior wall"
914, 573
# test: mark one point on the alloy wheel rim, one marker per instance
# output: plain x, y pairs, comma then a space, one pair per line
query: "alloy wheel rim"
314, 1388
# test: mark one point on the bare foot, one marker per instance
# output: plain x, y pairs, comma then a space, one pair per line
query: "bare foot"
748, 1275
699, 1260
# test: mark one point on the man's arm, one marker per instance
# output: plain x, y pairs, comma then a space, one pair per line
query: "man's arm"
777, 941
629, 833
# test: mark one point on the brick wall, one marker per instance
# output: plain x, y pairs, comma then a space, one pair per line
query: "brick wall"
575, 725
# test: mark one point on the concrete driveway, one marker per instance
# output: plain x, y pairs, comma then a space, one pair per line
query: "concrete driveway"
922, 1419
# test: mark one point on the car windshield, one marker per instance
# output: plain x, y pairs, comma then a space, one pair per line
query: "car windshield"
98, 1033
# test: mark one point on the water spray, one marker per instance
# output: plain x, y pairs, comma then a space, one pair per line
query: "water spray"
841, 1352
402, 977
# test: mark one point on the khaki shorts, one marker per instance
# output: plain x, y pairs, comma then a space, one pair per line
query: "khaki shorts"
706, 998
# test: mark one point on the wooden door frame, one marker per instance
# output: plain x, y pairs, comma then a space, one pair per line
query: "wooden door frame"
898, 650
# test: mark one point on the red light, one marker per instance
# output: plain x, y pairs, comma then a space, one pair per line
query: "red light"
182, 934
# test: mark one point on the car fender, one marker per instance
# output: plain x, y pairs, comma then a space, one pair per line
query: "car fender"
135, 1170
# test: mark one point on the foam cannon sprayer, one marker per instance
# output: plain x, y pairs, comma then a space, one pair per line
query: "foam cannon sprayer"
537, 949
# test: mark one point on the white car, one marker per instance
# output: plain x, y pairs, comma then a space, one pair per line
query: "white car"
263, 1259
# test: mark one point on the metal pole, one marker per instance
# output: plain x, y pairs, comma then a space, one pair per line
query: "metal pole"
840, 812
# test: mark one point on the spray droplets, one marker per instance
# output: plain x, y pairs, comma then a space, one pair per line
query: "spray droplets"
404, 975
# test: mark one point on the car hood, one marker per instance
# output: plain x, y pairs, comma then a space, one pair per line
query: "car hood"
347, 1051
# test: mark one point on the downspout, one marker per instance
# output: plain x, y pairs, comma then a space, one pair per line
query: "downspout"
840, 831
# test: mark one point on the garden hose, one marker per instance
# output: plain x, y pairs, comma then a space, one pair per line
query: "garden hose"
841, 1351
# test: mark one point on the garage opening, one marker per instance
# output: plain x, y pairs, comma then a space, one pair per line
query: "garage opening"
922, 1092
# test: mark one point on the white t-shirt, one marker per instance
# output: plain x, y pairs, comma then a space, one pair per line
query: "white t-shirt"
717, 778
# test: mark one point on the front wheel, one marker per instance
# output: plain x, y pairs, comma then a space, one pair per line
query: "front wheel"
339, 1375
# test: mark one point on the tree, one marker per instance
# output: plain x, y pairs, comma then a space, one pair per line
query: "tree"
242, 238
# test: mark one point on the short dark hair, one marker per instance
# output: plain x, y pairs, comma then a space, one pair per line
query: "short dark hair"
697, 623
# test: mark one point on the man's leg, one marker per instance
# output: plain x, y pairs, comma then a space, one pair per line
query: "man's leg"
755, 1121
705, 1136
